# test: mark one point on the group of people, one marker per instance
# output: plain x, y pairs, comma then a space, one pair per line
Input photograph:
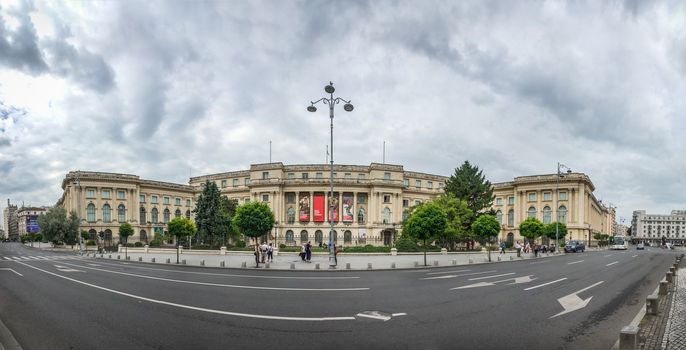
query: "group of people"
528, 248
306, 252
264, 252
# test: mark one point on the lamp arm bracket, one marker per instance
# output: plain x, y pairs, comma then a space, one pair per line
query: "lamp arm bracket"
323, 99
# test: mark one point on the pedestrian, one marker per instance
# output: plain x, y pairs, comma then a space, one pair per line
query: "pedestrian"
502, 247
257, 253
263, 251
535, 248
270, 253
308, 251
518, 247
527, 248
302, 252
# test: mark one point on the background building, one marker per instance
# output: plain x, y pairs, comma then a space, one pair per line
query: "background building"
27, 219
568, 198
9, 215
654, 228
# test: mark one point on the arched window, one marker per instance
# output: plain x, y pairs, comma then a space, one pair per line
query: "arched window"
360, 216
386, 215
499, 216
106, 213
347, 236
562, 214
291, 215
108, 235
92, 234
510, 217
154, 214
531, 212
318, 236
303, 236
510, 239
142, 216
144, 236
177, 213
546, 215
166, 215
121, 213
90, 212
188, 213
289, 236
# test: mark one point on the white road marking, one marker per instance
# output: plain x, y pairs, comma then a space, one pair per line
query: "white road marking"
575, 262
545, 284
607, 255
517, 280
236, 275
225, 285
612, 263
66, 269
8, 269
182, 306
633, 256
453, 276
494, 276
539, 262
6, 258
572, 302
399, 314
375, 315
444, 272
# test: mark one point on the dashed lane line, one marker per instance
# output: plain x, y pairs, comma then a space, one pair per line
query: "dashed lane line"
545, 284
494, 276
575, 262
612, 263
453, 276
445, 272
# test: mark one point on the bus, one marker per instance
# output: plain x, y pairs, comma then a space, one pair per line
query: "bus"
619, 243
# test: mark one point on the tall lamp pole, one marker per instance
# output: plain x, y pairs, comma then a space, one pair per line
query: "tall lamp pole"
77, 188
557, 210
348, 107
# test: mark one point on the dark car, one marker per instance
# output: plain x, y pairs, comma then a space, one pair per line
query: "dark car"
575, 246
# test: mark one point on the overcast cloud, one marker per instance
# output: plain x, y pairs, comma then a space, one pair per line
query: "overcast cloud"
164, 89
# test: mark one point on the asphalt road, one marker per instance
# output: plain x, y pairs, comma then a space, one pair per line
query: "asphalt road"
53, 300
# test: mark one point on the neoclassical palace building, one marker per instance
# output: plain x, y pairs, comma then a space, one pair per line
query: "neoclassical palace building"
370, 201
546, 197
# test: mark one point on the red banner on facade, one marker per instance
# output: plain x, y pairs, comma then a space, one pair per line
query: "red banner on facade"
304, 206
319, 208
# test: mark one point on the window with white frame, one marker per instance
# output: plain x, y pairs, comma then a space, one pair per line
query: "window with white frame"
235, 182
386, 176
265, 175
498, 201
106, 194
348, 176
178, 201
532, 196
510, 200
562, 195
166, 200
305, 176
291, 176
547, 196
319, 176
429, 184
121, 194
547, 217
188, 202
90, 193
141, 198
224, 183
406, 182
265, 198
418, 183
531, 212
153, 199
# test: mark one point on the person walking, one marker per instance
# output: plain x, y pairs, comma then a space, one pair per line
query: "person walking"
527, 248
308, 251
263, 251
502, 247
302, 252
518, 247
535, 248
270, 253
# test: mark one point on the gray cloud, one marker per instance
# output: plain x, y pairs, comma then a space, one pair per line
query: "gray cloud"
19, 48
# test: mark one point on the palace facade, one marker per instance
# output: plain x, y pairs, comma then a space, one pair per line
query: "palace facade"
659, 228
370, 201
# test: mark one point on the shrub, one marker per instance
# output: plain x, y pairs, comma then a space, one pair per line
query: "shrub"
155, 243
406, 244
281, 246
240, 244
138, 244
367, 249
90, 242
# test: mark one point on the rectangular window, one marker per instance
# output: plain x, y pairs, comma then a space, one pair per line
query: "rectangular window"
417, 202
429, 184
406, 203
291, 176
440, 185
141, 198
510, 200
335, 175
361, 198
348, 176
305, 176
532, 196
223, 183
247, 181
386, 198
386, 176
318, 175
188, 202
166, 200
153, 200
265, 175
406, 182
106, 194
290, 197
178, 201
547, 196
265, 198
418, 183
121, 194
360, 176
563, 196
235, 182
498, 201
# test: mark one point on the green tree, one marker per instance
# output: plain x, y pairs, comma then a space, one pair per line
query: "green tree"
458, 213
554, 230
485, 228
180, 227
125, 230
531, 228
228, 211
84, 235
211, 217
254, 219
469, 184
428, 220
56, 227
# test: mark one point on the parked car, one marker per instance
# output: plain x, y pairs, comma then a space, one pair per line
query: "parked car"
575, 246
640, 246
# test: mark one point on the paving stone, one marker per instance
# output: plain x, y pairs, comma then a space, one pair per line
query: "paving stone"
675, 337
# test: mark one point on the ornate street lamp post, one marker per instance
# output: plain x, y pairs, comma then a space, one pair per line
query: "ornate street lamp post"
557, 210
348, 107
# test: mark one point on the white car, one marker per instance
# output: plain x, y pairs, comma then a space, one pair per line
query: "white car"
640, 246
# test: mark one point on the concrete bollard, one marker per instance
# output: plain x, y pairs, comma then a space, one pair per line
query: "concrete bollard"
369, 266
394, 251
202, 262
292, 266
435, 262
128, 257
498, 258
183, 262
101, 255
347, 266
416, 264
663, 287
316, 266
669, 277
244, 265
140, 258
168, 261
152, 260
444, 251
672, 270
651, 304
222, 264
392, 265
454, 262
266, 265
471, 261
628, 338
511, 257
118, 257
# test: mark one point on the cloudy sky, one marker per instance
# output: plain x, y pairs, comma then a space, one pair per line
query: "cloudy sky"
164, 89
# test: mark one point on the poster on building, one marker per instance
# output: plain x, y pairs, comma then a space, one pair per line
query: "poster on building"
304, 206
348, 207
334, 204
362, 236
319, 209
32, 224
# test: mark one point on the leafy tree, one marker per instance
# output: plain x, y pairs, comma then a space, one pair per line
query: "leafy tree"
531, 228
254, 219
211, 217
552, 229
485, 228
458, 213
180, 227
603, 239
84, 235
125, 230
428, 220
229, 207
56, 227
